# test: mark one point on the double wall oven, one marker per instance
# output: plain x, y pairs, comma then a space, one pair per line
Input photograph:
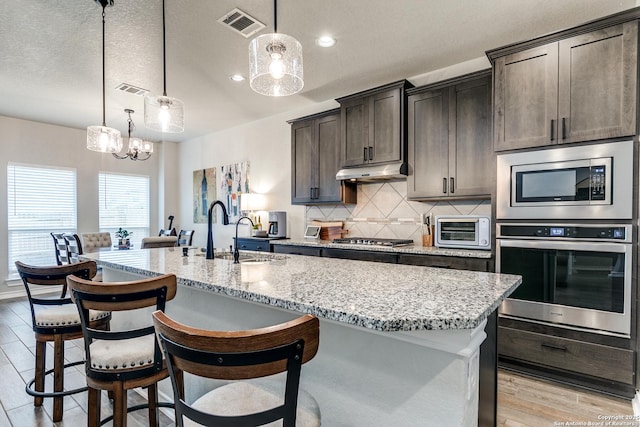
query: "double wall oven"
564, 224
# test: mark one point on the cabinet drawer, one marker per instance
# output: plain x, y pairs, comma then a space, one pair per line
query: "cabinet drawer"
361, 255
253, 245
596, 360
458, 263
296, 250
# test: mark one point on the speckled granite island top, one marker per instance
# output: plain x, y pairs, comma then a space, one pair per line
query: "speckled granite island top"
371, 295
409, 249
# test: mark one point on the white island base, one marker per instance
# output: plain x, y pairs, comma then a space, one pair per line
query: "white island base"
359, 377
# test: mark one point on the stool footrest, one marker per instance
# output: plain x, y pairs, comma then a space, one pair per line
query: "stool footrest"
137, 408
29, 387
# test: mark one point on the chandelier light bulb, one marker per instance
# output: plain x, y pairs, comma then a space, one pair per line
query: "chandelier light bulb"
277, 67
164, 117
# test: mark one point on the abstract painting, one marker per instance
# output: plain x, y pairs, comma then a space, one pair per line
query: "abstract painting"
204, 192
234, 181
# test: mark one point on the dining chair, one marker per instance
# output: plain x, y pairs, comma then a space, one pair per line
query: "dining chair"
55, 319
269, 359
74, 247
185, 237
60, 247
128, 358
96, 240
158, 242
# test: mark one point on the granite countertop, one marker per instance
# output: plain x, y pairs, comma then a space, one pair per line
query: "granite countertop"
409, 249
378, 296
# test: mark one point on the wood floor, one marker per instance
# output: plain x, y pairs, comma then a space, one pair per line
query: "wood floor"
522, 401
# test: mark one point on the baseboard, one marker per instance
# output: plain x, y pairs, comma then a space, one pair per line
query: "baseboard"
635, 404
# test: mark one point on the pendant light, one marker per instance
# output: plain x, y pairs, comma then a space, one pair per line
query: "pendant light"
275, 62
138, 149
163, 113
102, 138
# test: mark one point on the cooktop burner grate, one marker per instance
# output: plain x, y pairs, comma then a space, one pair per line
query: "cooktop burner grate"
373, 241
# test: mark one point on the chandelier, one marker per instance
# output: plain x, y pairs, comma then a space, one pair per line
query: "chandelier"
275, 62
102, 138
138, 149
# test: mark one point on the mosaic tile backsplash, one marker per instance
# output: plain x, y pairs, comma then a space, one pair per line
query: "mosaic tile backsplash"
383, 211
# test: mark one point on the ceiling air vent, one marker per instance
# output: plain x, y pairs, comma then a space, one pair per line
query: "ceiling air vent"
126, 87
241, 23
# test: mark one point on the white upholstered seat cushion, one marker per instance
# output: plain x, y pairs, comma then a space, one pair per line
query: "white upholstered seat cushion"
93, 241
122, 354
63, 315
257, 395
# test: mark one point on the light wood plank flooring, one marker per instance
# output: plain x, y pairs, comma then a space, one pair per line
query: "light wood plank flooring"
522, 401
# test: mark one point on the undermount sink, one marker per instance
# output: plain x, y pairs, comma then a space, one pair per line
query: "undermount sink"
229, 256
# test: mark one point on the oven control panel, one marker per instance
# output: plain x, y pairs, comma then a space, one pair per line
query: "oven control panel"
547, 231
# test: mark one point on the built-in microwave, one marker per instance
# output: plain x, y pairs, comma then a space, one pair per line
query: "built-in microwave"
463, 231
582, 182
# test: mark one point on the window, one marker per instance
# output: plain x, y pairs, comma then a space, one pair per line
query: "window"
124, 202
39, 200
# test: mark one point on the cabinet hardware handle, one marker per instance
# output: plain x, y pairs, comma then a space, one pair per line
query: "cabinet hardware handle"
317, 193
553, 122
311, 193
364, 158
451, 186
564, 128
370, 153
553, 347
444, 185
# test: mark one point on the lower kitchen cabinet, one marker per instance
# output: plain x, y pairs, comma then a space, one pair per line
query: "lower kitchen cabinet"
361, 255
600, 362
254, 244
456, 263
297, 250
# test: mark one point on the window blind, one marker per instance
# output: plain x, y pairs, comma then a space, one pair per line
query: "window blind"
124, 202
40, 200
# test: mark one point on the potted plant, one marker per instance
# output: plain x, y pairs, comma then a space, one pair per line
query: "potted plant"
123, 238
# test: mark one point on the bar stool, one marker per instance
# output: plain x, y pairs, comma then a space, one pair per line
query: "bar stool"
55, 319
118, 361
242, 355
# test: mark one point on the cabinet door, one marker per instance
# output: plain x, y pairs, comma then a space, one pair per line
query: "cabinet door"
384, 127
597, 84
428, 144
471, 166
327, 130
303, 161
526, 98
355, 127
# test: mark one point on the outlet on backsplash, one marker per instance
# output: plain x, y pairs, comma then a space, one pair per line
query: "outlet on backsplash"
383, 211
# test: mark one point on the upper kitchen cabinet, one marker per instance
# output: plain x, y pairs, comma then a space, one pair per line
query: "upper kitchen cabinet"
573, 86
373, 125
315, 159
450, 154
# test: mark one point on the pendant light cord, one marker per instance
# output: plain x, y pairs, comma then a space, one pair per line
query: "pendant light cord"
104, 122
275, 16
164, 52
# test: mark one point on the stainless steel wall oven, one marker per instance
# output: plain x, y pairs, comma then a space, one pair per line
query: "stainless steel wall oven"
574, 275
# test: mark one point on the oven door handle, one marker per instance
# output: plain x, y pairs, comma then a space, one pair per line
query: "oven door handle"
566, 246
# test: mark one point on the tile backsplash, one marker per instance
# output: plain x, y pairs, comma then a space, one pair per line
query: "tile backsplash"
383, 211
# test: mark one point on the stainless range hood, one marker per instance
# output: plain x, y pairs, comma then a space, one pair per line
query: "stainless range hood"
397, 170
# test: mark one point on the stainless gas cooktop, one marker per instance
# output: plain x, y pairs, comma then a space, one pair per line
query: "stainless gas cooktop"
373, 241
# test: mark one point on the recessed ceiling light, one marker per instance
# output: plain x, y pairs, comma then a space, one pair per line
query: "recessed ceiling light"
236, 77
326, 41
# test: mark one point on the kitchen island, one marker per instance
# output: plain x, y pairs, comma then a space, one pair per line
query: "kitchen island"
398, 344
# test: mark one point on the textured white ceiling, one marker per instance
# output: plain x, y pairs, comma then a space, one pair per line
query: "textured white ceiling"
50, 51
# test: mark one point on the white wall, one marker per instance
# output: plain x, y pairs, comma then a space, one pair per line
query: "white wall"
24, 141
266, 144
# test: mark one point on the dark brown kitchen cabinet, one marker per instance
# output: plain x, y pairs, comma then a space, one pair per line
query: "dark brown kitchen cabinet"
575, 89
449, 129
373, 125
315, 160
